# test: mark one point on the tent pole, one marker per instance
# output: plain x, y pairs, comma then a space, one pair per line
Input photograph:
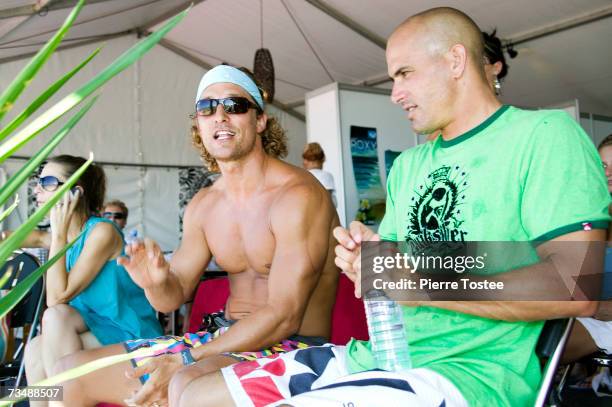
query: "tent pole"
75, 44
348, 22
40, 7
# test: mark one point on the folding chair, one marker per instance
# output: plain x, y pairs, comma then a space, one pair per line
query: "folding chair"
348, 314
26, 314
592, 362
549, 349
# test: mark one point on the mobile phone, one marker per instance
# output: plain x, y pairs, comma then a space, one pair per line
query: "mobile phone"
74, 193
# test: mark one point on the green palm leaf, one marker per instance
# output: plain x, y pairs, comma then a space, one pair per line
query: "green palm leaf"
8, 211
23, 79
6, 276
20, 177
50, 91
14, 240
73, 99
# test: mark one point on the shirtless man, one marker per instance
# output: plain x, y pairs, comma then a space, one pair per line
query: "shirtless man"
267, 223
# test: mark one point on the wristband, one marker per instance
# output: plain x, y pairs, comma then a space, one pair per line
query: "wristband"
187, 357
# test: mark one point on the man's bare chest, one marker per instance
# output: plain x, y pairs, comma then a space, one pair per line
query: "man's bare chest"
240, 238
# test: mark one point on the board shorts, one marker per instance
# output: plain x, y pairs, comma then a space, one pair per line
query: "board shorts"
168, 344
318, 376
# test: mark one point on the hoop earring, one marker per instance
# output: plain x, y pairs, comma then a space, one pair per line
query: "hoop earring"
497, 86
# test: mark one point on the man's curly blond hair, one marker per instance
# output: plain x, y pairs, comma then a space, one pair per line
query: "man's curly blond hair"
273, 138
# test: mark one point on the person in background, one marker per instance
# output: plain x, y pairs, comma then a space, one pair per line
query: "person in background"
91, 299
592, 334
116, 211
605, 153
495, 64
313, 159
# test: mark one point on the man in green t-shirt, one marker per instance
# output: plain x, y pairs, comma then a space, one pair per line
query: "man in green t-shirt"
495, 173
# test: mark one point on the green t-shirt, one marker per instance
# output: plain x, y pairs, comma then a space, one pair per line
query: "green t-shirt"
519, 176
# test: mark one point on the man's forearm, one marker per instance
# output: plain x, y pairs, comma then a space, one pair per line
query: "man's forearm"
258, 331
515, 310
544, 290
35, 239
168, 296
604, 313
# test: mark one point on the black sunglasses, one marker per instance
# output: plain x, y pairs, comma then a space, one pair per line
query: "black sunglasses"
231, 105
113, 215
49, 183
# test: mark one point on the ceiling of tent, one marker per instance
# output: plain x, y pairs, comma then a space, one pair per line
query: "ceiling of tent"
563, 45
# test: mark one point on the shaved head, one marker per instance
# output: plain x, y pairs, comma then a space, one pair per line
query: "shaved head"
444, 27
435, 59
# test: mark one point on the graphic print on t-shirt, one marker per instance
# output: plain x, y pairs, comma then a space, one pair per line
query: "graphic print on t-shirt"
435, 213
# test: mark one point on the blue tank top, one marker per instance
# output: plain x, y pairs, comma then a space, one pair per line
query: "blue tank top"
113, 307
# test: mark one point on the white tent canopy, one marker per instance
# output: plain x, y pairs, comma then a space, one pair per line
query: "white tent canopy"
141, 116
562, 44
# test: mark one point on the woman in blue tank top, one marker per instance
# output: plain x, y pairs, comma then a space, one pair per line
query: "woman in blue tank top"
92, 300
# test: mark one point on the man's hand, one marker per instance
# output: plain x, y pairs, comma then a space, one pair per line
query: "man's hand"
155, 391
146, 264
348, 251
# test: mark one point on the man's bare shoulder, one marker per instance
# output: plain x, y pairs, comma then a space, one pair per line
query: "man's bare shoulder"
296, 181
202, 200
290, 174
298, 189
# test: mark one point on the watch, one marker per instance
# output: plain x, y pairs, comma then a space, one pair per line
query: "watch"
187, 357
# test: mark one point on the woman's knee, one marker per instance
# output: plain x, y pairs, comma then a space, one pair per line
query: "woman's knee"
33, 351
34, 347
57, 317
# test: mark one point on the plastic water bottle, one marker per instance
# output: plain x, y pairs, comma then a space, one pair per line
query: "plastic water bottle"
387, 335
132, 236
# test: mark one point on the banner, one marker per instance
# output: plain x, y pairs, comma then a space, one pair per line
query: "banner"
364, 153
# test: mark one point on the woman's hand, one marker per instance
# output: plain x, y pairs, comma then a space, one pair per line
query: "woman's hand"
62, 212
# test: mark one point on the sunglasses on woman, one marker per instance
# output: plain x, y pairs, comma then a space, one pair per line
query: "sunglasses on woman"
231, 105
49, 183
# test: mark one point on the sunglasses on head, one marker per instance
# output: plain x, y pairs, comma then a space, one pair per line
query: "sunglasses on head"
231, 105
49, 183
113, 215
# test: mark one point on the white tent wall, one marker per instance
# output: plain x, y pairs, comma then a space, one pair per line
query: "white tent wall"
109, 128
144, 109
323, 127
362, 107
597, 126
20, 214
331, 111
141, 117
160, 204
